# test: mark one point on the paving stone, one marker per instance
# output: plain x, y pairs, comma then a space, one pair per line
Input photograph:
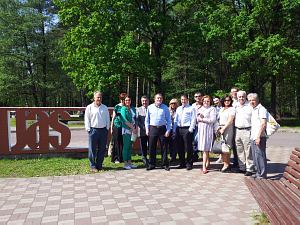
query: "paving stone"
132, 197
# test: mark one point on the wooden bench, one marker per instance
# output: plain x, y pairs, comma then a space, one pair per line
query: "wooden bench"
280, 199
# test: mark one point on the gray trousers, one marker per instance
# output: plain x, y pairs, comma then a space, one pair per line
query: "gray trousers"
260, 157
243, 144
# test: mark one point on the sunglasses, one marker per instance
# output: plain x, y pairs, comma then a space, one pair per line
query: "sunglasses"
197, 96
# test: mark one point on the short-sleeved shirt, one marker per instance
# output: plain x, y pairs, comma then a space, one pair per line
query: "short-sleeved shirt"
118, 119
224, 115
258, 113
243, 115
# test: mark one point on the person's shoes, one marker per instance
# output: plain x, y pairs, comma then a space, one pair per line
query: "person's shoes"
94, 170
150, 167
127, 167
181, 167
132, 166
146, 162
205, 171
167, 168
236, 170
117, 162
189, 167
219, 160
226, 170
256, 176
248, 173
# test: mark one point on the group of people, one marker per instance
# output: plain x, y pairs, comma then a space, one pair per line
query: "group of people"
183, 130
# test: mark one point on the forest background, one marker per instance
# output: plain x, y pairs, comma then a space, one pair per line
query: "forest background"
57, 53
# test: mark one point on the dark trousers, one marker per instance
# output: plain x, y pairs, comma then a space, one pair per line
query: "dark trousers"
155, 134
259, 157
97, 146
171, 146
117, 139
144, 142
185, 145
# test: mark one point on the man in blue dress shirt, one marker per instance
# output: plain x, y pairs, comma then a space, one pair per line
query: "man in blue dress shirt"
158, 126
184, 125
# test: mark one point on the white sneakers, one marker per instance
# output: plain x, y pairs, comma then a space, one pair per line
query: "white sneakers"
133, 166
129, 166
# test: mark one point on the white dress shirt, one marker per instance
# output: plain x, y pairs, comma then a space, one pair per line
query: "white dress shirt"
96, 117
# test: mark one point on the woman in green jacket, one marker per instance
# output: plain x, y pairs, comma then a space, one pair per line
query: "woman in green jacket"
128, 128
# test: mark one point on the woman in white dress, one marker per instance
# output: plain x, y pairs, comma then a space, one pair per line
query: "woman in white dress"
206, 117
226, 118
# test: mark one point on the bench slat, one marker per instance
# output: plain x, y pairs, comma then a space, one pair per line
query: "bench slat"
293, 200
296, 153
292, 179
293, 172
257, 194
276, 202
280, 199
294, 165
291, 186
295, 158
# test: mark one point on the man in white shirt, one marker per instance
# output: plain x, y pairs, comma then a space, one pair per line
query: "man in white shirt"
197, 105
97, 123
258, 136
235, 102
242, 137
233, 93
184, 125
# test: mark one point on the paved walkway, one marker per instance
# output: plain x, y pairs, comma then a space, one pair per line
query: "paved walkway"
134, 197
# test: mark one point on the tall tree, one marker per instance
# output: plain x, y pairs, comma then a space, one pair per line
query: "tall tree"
29, 46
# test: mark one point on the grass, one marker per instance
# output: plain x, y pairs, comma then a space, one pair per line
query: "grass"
290, 122
59, 166
260, 218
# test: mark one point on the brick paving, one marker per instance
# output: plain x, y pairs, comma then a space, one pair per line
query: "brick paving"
128, 197
134, 197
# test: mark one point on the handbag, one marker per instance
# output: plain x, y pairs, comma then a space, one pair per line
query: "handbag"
272, 125
219, 145
133, 137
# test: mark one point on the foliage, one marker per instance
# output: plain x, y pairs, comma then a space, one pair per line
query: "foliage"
260, 218
140, 46
29, 46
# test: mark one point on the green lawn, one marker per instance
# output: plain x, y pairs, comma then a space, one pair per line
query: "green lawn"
289, 123
55, 166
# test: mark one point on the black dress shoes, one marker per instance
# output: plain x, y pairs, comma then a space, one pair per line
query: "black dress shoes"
181, 167
167, 168
248, 173
150, 167
189, 167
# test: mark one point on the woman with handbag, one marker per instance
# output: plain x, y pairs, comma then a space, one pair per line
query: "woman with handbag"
226, 118
206, 117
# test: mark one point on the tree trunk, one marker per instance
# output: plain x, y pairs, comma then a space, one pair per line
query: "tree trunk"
273, 95
30, 74
44, 66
